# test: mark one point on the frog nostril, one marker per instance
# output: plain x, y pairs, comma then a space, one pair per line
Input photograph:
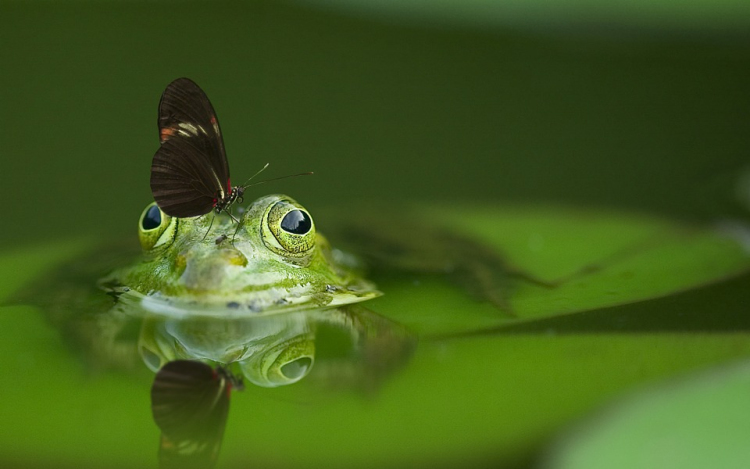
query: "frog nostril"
235, 257
180, 262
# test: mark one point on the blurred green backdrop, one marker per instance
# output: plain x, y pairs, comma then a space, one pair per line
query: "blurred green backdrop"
612, 110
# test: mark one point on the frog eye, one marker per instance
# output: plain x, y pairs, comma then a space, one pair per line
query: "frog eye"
292, 229
155, 228
151, 218
296, 222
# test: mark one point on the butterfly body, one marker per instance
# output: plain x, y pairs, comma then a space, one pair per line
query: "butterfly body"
223, 202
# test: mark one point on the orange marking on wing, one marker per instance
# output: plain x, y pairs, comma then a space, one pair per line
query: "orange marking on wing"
165, 133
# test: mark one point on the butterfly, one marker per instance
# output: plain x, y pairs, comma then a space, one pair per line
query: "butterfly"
190, 172
190, 404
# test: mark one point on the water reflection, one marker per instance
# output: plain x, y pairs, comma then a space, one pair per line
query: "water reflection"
190, 399
190, 403
270, 350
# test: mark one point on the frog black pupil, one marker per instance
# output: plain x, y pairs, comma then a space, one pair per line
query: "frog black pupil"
296, 222
152, 219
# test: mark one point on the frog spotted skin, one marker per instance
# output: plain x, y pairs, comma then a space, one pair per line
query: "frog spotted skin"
272, 260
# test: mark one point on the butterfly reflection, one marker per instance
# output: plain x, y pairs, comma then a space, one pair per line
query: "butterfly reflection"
190, 404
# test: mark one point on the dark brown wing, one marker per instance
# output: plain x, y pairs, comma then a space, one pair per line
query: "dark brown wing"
189, 172
183, 183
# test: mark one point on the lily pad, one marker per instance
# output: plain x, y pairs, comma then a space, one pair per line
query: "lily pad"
696, 422
591, 259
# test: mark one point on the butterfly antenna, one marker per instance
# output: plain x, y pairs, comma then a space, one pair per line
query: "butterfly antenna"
309, 173
251, 177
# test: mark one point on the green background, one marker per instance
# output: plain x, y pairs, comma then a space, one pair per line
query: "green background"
606, 106
379, 110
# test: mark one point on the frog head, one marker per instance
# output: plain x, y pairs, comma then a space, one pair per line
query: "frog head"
270, 258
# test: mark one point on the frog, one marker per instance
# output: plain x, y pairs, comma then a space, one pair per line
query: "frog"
271, 259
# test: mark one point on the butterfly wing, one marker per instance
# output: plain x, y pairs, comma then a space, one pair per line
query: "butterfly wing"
189, 172
190, 403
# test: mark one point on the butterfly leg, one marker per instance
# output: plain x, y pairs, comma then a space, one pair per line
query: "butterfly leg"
209, 227
239, 225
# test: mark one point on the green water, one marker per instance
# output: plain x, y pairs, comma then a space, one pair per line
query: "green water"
386, 111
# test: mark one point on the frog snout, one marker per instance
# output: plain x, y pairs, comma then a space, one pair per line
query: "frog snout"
207, 270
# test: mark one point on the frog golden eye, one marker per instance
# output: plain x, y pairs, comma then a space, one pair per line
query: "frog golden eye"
155, 228
291, 228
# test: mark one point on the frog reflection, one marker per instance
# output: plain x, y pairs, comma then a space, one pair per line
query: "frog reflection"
279, 349
270, 350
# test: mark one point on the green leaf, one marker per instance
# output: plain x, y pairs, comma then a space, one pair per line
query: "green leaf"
695, 422
599, 258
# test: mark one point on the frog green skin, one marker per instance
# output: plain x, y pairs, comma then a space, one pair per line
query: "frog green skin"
271, 259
